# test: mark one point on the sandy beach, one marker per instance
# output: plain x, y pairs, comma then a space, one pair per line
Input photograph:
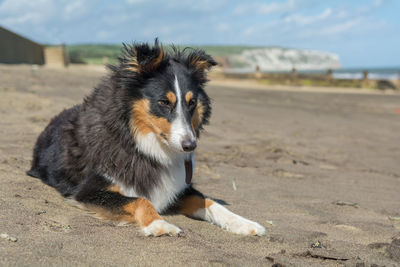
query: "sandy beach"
318, 168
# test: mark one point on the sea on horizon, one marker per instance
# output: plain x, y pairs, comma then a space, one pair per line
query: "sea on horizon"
373, 73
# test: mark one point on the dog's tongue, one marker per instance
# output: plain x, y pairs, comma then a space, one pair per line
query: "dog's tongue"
189, 171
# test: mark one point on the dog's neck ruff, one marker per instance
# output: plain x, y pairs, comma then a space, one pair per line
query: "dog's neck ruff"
150, 146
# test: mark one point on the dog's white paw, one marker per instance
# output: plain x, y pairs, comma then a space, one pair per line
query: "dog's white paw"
161, 227
243, 226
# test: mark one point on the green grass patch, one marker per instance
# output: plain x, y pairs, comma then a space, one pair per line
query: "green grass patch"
95, 53
310, 82
99, 60
223, 50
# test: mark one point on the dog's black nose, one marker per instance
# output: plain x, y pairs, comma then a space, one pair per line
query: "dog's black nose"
188, 145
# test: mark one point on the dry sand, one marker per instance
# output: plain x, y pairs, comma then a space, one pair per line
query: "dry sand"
309, 166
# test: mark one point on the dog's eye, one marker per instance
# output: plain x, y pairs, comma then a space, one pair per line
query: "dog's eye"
165, 103
192, 103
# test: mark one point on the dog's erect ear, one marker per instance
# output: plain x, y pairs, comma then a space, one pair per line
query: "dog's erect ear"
143, 59
200, 61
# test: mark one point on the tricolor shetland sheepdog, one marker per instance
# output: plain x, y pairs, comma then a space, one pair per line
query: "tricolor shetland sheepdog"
126, 152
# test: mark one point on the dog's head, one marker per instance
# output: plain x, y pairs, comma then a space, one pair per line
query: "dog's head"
167, 99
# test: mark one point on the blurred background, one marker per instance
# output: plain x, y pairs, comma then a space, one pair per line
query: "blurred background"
296, 42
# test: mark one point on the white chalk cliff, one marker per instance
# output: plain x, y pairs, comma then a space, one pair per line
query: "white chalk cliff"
281, 59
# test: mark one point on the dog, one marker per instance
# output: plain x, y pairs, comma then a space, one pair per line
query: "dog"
126, 152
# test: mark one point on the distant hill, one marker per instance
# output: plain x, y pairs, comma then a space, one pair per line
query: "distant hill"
245, 57
93, 53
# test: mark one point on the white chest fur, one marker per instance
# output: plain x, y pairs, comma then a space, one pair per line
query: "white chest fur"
172, 182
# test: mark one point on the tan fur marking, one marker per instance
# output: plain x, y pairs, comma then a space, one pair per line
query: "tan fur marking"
252, 232
202, 64
171, 97
114, 188
188, 96
197, 116
143, 122
141, 211
134, 66
198, 63
193, 203
157, 61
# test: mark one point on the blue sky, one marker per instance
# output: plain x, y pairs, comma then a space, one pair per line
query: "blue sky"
364, 33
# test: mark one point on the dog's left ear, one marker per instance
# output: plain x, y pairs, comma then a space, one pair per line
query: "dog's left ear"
199, 61
143, 59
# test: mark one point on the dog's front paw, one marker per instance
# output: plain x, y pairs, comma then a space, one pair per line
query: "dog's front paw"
243, 226
161, 227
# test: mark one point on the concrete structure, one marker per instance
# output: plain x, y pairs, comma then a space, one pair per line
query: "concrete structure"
15, 49
56, 56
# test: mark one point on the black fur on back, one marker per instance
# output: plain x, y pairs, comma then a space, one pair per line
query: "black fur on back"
95, 137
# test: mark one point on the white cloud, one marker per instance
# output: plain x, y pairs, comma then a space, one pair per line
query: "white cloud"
265, 8
179, 5
25, 12
74, 9
340, 27
118, 19
308, 19
135, 2
103, 35
370, 7
223, 27
195, 5
32, 18
378, 3
13, 7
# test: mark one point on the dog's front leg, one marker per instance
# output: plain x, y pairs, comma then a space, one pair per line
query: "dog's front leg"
106, 200
194, 204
